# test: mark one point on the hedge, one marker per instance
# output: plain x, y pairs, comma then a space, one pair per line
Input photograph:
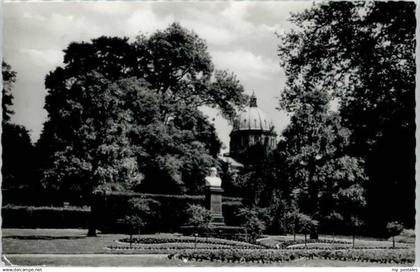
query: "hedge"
170, 211
44, 217
282, 256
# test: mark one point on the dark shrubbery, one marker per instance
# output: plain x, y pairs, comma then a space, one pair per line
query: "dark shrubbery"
167, 212
252, 223
44, 217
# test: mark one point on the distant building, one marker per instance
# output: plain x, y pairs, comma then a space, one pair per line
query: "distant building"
251, 127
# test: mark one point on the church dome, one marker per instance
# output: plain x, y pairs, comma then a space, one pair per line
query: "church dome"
252, 118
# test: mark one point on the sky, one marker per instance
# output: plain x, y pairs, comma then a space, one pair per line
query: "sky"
240, 37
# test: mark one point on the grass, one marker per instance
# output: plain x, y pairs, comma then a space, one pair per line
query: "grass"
124, 261
16, 242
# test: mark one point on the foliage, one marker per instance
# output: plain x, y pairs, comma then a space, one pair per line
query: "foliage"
9, 78
17, 216
394, 228
333, 221
18, 164
361, 56
198, 216
135, 104
406, 236
252, 223
18, 158
164, 213
305, 224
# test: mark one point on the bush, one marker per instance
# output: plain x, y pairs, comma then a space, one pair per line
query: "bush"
198, 216
406, 236
44, 217
253, 225
166, 212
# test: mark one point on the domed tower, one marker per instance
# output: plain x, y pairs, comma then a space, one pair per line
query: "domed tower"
250, 128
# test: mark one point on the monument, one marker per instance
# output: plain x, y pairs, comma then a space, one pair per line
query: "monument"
214, 197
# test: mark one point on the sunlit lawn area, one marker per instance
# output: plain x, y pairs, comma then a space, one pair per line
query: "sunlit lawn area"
73, 248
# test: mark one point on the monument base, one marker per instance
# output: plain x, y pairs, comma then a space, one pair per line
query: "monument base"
214, 204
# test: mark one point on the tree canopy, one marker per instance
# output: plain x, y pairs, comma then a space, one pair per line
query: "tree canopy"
125, 114
17, 149
361, 57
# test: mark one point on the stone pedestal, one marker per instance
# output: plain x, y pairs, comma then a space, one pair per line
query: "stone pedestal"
214, 204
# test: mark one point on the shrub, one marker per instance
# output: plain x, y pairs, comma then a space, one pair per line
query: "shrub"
406, 236
253, 225
169, 211
305, 224
199, 216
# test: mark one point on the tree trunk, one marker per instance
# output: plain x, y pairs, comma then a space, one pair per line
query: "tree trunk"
354, 238
393, 241
305, 239
131, 240
92, 219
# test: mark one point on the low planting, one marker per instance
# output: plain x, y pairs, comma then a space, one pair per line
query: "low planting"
289, 243
339, 246
394, 256
168, 247
191, 240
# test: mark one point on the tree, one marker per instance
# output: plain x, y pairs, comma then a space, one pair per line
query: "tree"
9, 78
153, 129
356, 224
94, 152
177, 64
362, 54
305, 224
333, 220
132, 225
252, 223
393, 229
314, 147
17, 151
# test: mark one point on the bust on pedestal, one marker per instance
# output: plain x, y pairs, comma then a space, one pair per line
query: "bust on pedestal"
214, 197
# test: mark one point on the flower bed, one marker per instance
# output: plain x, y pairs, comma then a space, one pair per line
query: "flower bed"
280, 256
338, 246
290, 243
191, 240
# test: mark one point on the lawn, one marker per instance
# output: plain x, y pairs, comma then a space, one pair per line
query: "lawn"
152, 260
71, 247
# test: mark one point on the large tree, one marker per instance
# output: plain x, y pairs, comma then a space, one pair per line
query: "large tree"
17, 152
322, 176
9, 78
363, 54
165, 138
